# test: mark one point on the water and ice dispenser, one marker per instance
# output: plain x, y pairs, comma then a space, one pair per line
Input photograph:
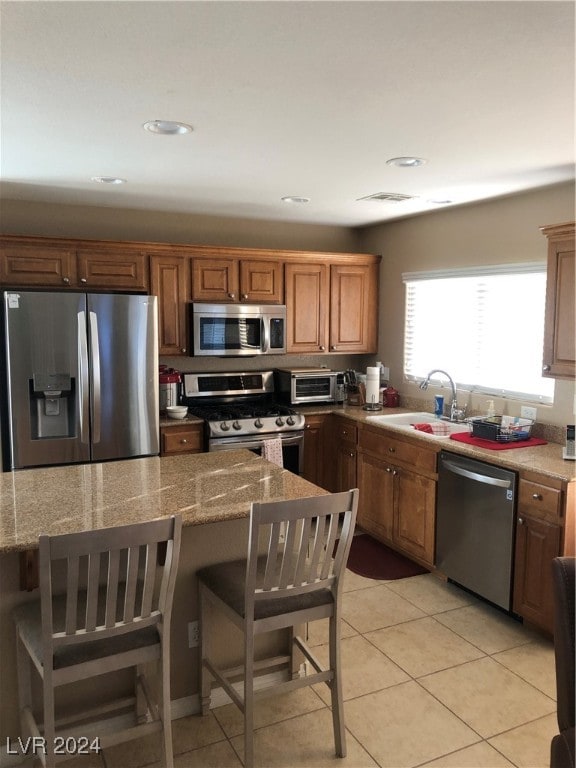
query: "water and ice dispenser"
52, 400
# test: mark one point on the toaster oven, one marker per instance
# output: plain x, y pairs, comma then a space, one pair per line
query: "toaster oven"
298, 386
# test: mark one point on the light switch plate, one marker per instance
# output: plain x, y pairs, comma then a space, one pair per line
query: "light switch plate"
526, 412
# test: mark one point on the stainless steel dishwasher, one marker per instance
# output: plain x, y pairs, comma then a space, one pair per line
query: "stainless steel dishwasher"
475, 526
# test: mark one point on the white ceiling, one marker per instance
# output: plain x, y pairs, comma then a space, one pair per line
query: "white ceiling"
286, 98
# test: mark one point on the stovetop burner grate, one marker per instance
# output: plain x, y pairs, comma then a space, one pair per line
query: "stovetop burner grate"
229, 412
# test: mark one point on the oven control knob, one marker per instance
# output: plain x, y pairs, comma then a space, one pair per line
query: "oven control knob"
279, 422
258, 424
224, 426
236, 425
290, 421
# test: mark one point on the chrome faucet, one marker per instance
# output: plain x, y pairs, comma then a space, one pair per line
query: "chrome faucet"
456, 413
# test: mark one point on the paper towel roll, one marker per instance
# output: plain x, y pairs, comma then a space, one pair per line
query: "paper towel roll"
372, 372
372, 390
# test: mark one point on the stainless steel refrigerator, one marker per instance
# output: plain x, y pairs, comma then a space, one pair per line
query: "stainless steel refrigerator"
81, 374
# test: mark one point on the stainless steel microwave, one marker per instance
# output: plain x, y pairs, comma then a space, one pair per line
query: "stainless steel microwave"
233, 330
306, 385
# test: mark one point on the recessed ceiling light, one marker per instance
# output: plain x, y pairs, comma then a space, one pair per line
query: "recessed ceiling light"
108, 180
388, 197
167, 127
406, 162
295, 199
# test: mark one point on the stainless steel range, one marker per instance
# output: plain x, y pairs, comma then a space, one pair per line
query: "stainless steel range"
240, 411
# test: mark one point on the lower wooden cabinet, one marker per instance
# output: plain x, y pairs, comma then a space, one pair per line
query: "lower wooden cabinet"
182, 438
397, 482
539, 538
537, 543
314, 468
346, 473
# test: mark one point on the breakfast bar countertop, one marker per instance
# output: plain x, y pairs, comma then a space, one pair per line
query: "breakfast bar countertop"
203, 488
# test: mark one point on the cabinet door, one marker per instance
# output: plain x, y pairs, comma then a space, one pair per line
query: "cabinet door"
559, 328
113, 268
314, 467
169, 281
353, 308
346, 474
307, 307
215, 280
261, 281
376, 501
537, 543
37, 265
414, 519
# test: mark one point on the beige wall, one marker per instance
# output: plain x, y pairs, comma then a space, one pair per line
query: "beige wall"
496, 232
18, 217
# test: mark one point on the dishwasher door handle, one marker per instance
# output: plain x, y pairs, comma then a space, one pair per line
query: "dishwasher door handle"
475, 476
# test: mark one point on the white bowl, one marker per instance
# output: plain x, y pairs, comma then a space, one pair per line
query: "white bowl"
176, 411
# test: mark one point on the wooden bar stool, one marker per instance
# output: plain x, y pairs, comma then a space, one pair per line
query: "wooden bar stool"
113, 613
297, 581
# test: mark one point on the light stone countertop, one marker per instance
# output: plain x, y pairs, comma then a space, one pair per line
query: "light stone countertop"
203, 488
545, 459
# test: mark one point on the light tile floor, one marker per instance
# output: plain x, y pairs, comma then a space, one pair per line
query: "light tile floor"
432, 677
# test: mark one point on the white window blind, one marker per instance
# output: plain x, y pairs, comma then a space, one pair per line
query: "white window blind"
484, 326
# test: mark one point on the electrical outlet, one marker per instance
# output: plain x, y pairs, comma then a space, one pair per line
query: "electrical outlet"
193, 634
526, 412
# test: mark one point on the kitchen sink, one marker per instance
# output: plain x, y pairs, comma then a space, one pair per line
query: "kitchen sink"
406, 421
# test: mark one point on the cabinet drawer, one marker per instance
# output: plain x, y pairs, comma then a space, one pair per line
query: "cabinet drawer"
540, 499
344, 430
182, 439
380, 444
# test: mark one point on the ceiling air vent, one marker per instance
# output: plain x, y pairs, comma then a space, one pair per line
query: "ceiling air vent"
388, 197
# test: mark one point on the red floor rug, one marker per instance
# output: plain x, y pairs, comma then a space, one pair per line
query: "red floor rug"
374, 560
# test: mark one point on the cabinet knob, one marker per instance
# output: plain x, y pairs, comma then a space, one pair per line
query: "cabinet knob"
244, 295
388, 469
322, 348
546, 367
333, 348
231, 295
351, 455
537, 496
183, 441
183, 349
392, 450
394, 471
520, 521
307, 426
83, 280
66, 280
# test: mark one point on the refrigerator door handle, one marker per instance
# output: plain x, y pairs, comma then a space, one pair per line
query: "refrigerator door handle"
84, 405
95, 354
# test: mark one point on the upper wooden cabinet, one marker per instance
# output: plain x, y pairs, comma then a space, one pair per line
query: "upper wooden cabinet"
169, 280
307, 291
353, 308
31, 264
331, 298
118, 268
43, 262
559, 359
222, 280
331, 307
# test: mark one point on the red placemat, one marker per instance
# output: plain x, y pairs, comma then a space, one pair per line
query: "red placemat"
479, 442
